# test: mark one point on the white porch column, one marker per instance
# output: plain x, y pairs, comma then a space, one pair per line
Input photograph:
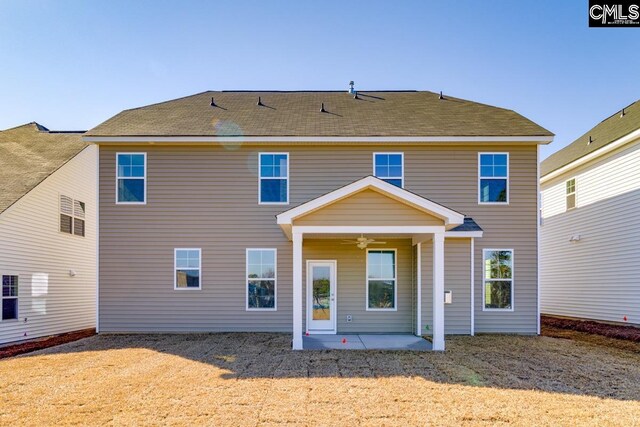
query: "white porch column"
297, 290
419, 291
438, 291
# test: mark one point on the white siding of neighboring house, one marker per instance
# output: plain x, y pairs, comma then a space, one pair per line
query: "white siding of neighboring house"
31, 246
597, 277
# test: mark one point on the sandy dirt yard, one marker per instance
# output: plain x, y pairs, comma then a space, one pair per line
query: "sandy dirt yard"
255, 380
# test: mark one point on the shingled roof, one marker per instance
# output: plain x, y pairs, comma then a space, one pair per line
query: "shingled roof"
610, 129
291, 114
29, 154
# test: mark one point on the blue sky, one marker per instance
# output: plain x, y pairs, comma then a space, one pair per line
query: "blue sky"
73, 64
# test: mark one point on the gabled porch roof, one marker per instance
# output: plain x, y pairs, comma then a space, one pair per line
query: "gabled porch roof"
449, 217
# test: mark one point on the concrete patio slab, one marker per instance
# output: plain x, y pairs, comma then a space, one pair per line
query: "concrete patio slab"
365, 342
394, 342
332, 342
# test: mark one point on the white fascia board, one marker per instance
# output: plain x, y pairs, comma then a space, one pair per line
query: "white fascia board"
318, 139
591, 156
362, 229
447, 215
421, 238
462, 234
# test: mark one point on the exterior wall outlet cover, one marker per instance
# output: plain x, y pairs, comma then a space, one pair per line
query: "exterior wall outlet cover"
349, 318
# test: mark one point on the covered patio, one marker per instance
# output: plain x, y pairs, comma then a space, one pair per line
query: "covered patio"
365, 342
371, 206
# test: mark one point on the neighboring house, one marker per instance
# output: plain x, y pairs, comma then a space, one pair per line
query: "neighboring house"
254, 211
591, 267
47, 232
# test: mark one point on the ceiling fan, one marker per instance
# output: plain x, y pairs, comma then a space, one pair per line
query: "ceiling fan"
362, 242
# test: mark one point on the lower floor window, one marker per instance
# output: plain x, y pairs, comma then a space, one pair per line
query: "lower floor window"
498, 279
381, 279
187, 269
261, 279
9, 297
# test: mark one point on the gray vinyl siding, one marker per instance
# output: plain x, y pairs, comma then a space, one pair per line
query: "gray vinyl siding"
597, 276
351, 287
457, 278
206, 197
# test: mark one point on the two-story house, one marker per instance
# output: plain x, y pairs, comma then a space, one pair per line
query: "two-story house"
316, 212
591, 268
47, 232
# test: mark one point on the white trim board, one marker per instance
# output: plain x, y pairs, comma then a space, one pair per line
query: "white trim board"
473, 297
538, 219
320, 139
419, 289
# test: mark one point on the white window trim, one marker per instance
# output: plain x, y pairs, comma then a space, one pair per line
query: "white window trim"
73, 216
480, 202
513, 280
395, 287
275, 279
17, 297
401, 178
175, 269
144, 178
260, 178
575, 195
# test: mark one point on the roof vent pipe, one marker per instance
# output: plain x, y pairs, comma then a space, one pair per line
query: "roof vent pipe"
441, 97
213, 104
322, 110
259, 101
622, 113
351, 89
590, 140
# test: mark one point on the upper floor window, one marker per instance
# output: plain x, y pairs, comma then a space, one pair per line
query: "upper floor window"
72, 213
493, 178
187, 269
261, 279
498, 279
389, 167
274, 178
131, 178
381, 279
571, 193
9, 297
